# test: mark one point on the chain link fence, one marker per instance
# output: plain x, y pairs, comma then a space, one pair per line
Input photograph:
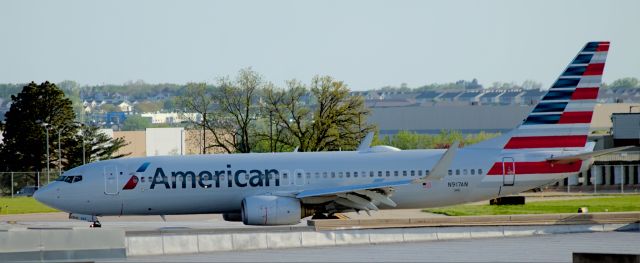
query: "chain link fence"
14, 184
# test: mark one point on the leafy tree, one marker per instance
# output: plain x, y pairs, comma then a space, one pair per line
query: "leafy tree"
625, 83
337, 120
136, 123
107, 107
24, 132
411, 140
97, 146
148, 106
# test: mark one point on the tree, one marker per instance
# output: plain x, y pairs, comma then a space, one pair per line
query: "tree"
336, 121
97, 145
227, 111
197, 98
107, 107
625, 83
149, 106
236, 113
136, 123
24, 131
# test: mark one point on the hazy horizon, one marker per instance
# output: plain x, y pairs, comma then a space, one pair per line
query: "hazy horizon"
366, 44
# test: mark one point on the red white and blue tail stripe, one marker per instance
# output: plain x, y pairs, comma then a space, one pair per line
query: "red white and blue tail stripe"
562, 118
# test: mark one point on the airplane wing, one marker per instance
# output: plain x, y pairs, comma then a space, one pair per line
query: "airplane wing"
367, 196
586, 156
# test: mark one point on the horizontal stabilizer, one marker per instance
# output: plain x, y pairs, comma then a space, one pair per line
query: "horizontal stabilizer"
586, 156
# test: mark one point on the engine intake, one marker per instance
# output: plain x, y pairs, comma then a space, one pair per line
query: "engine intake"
271, 210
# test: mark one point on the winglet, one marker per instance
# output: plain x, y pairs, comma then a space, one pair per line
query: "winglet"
366, 142
439, 170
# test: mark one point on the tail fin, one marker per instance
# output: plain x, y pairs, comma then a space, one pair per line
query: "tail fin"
562, 118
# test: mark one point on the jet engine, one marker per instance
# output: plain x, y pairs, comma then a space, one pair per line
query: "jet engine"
271, 210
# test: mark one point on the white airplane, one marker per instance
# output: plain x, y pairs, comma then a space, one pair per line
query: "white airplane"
282, 188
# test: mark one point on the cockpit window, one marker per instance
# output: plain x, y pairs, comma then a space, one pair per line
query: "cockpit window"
70, 179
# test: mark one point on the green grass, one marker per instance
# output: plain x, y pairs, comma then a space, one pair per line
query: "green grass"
611, 203
22, 205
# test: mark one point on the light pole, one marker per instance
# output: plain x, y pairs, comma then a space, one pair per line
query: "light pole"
82, 126
46, 129
59, 152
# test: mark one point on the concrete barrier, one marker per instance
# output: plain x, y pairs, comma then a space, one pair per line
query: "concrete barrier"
214, 242
61, 244
257, 238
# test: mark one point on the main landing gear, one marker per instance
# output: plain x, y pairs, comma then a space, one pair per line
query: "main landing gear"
95, 224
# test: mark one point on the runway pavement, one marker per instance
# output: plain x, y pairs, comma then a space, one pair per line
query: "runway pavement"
208, 221
544, 248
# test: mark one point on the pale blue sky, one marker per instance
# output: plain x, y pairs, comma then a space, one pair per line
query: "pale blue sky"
368, 44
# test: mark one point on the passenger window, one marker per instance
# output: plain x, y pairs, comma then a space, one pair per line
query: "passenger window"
348, 174
479, 171
340, 174
426, 172
404, 173
379, 173
285, 176
370, 173
299, 175
142, 179
355, 174
464, 172
324, 174
457, 171
450, 172
473, 171
395, 173
77, 178
419, 172
333, 174
413, 173
388, 173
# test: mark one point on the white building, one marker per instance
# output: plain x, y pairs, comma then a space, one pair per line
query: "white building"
172, 117
165, 141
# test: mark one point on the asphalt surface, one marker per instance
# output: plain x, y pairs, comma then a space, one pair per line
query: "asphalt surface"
544, 248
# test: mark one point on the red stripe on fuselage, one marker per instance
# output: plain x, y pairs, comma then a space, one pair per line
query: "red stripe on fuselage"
575, 117
585, 94
594, 69
546, 142
543, 167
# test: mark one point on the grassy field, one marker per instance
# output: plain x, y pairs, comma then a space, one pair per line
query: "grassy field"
608, 203
22, 205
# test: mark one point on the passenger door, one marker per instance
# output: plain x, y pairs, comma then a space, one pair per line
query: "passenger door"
508, 171
111, 180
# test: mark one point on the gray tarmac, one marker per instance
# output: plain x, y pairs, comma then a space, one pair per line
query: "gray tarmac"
544, 248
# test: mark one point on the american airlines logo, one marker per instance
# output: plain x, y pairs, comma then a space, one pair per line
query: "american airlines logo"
208, 179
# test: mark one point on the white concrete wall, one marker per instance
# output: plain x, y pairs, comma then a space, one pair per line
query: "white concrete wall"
165, 141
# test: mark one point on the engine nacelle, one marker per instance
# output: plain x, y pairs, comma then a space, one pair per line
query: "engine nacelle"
271, 210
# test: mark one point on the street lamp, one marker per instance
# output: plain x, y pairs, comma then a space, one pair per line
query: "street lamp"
46, 129
83, 150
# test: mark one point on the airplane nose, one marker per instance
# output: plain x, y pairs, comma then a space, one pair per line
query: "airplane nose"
44, 195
